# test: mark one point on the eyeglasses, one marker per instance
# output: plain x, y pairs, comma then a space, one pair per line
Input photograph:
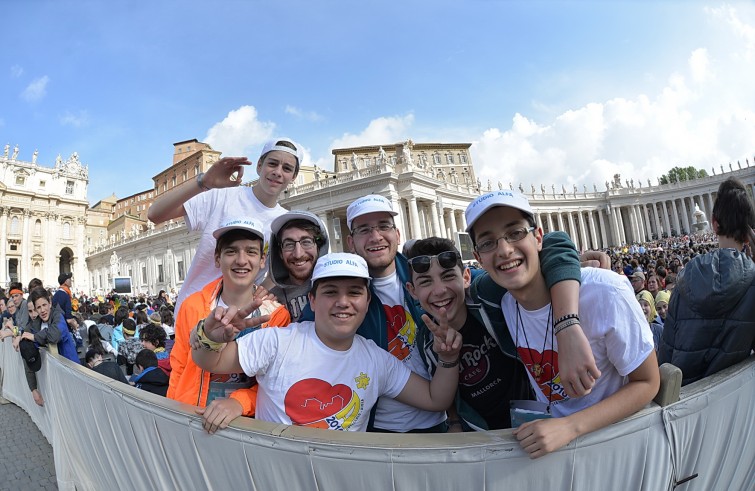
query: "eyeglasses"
512, 236
446, 260
289, 245
366, 230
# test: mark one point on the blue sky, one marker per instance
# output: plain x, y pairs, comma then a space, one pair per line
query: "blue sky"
548, 92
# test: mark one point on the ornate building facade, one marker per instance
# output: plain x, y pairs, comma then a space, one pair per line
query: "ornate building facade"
43, 218
430, 184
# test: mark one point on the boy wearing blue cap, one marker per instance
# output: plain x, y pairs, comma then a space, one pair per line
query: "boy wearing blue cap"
321, 374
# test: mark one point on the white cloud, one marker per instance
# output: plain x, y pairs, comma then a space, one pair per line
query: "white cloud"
77, 120
697, 119
301, 114
16, 71
239, 133
382, 130
36, 90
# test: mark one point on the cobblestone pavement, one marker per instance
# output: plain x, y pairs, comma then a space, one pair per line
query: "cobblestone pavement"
25, 456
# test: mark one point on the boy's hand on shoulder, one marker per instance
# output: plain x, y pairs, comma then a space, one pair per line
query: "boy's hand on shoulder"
447, 342
595, 259
543, 436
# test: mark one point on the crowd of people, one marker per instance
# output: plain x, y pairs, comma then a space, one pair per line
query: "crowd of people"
270, 324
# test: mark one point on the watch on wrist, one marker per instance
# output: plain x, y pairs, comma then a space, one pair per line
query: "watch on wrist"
200, 182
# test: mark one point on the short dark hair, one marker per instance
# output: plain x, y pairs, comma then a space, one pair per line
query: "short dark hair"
305, 225
432, 246
733, 211
146, 358
38, 293
120, 315
16, 285
90, 354
35, 283
237, 234
153, 334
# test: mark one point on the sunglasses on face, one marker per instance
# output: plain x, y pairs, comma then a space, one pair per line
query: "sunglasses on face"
446, 260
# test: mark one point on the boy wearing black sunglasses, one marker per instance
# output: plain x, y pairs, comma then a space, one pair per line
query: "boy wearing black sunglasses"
489, 374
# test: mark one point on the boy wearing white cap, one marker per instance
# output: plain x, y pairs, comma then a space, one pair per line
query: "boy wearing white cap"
507, 241
277, 166
321, 374
239, 255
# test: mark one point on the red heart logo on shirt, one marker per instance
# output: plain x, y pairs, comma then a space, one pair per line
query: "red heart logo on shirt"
311, 400
547, 362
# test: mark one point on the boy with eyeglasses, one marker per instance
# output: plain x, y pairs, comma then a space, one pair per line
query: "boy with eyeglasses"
298, 240
502, 227
394, 318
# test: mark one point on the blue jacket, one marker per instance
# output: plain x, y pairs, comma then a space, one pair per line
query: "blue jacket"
56, 332
62, 299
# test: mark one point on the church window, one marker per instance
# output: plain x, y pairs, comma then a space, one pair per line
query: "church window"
69, 187
38, 228
66, 230
14, 224
20, 180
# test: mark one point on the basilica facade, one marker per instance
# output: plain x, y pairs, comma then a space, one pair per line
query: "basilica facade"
46, 229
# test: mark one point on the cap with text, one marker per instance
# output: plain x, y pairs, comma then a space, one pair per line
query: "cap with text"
340, 264
279, 144
372, 203
512, 199
249, 224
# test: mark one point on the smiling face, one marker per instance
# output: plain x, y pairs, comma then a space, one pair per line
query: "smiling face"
662, 308
301, 260
377, 247
646, 309
440, 288
515, 266
240, 262
43, 307
276, 170
340, 305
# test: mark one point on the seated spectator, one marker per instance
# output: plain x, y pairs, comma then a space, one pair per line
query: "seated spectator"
710, 324
502, 226
129, 347
153, 338
167, 321
93, 359
98, 344
120, 315
147, 376
647, 303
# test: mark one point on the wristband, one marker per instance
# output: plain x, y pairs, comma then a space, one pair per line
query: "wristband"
563, 325
206, 342
566, 318
447, 364
200, 182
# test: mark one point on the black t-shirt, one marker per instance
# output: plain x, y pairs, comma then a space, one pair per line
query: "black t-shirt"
488, 379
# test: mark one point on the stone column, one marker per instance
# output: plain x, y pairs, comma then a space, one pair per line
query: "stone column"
614, 218
4, 246
685, 215
658, 226
675, 217
431, 210
550, 222
560, 218
633, 224
622, 228
451, 214
648, 227
399, 219
24, 248
582, 231
603, 235
709, 212
573, 231
538, 221
463, 218
593, 232
666, 217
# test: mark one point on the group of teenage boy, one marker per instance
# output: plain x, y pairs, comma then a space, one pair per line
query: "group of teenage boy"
380, 341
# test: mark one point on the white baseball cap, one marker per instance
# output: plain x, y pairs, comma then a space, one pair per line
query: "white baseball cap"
274, 145
249, 224
372, 203
512, 199
340, 264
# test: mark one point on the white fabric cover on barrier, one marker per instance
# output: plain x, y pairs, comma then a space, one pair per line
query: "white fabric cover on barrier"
106, 435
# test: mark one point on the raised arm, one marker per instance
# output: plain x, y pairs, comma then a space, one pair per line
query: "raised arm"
560, 266
224, 173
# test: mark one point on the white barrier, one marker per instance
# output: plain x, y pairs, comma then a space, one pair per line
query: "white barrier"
106, 435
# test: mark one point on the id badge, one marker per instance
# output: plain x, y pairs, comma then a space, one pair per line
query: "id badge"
524, 411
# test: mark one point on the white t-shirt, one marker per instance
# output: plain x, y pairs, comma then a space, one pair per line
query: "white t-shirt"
303, 382
613, 323
402, 344
207, 212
